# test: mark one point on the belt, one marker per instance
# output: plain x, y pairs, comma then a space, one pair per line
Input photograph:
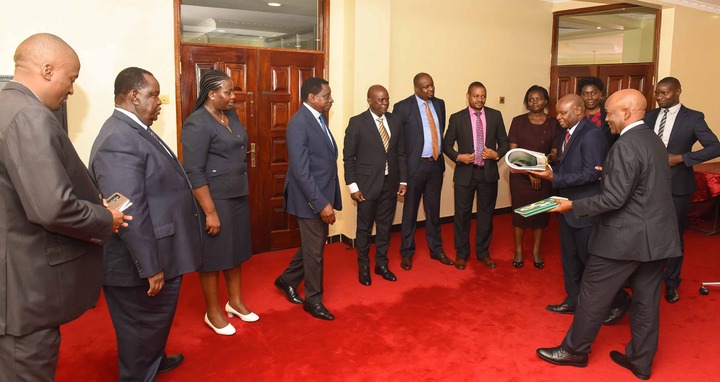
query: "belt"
427, 159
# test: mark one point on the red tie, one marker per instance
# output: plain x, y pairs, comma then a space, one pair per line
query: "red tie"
567, 139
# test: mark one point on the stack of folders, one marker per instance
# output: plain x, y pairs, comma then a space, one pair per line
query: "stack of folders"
538, 207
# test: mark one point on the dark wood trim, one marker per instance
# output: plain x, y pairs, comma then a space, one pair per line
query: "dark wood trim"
178, 76
325, 6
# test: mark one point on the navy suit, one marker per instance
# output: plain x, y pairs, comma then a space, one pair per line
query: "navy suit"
164, 236
311, 184
689, 128
575, 177
424, 176
365, 158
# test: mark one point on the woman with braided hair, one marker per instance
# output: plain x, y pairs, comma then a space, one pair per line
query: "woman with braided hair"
214, 146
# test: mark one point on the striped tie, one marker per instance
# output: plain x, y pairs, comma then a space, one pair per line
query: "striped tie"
661, 130
433, 132
385, 139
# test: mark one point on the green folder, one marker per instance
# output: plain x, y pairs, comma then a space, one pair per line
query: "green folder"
538, 207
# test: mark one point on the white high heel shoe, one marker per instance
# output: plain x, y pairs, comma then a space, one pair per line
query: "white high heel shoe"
250, 317
228, 330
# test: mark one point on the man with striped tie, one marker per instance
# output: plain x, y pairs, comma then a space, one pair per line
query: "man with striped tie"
375, 172
680, 128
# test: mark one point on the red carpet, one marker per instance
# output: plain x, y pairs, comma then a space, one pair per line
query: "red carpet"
434, 324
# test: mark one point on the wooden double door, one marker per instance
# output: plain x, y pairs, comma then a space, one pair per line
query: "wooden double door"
267, 93
615, 77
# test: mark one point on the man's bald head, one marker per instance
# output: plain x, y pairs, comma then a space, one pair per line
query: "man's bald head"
570, 110
48, 66
378, 99
624, 107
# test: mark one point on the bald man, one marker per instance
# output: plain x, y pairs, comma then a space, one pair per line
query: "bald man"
583, 148
634, 234
53, 222
375, 172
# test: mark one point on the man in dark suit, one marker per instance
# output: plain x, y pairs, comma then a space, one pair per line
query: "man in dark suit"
576, 176
144, 264
312, 194
634, 234
372, 154
479, 132
422, 120
53, 221
680, 128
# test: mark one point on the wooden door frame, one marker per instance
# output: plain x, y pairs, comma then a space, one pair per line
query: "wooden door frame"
323, 23
554, 48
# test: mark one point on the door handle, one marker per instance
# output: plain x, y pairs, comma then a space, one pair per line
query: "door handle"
252, 103
252, 155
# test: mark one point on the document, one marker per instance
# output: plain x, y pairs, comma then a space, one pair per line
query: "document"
538, 207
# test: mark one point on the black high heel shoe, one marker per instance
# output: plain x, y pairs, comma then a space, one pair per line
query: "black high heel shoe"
517, 264
538, 264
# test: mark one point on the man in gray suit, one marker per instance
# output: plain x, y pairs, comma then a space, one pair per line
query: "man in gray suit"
633, 236
144, 264
53, 219
312, 194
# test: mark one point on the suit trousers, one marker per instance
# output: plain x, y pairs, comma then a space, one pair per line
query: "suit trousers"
32, 357
486, 193
381, 212
142, 326
425, 184
307, 264
674, 264
601, 281
574, 255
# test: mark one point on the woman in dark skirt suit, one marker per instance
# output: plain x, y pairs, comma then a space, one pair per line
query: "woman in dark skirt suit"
534, 131
214, 156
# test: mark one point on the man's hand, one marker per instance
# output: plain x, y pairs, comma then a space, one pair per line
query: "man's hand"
212, 224
357, 196
156, 284
490, 154
466, 158
119, 219
563, 206
328, 214
402, 189
545, 174
674, 159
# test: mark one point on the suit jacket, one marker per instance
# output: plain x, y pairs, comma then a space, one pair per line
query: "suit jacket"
636, 216
312, 181
364, 155
214, 156
689, 127
575, 176
52, 222
460, 131
164, 234
412, 130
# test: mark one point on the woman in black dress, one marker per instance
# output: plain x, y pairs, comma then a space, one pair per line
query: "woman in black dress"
534, 131
214, 156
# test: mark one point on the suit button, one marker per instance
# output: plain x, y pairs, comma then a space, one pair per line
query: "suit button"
195, 215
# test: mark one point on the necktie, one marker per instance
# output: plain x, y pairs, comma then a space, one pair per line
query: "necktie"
661, 130
479, 140
152, 134
567, 139
433, 131
325, 129
385, 139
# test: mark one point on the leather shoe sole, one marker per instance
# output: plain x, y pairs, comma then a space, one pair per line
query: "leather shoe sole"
406, 263
561, 357
561, 308
460, 264
170, 362
622, 360
671, 295
443, 259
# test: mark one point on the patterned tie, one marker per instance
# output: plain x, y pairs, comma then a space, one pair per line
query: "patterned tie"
152, 134
479, 140
433, 131
325, 129
567, 139
661, 130
385, 139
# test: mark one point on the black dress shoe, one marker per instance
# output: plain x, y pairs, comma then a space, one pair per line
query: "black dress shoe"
563, 308
617, 313
365, 275
460, 264
622, 360
442, 257
318, 311
170, 362
289, 291
671, 295
385, 273
406, 263
561, 357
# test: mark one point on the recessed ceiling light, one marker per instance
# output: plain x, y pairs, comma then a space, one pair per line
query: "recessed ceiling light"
274, 4
598, 27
